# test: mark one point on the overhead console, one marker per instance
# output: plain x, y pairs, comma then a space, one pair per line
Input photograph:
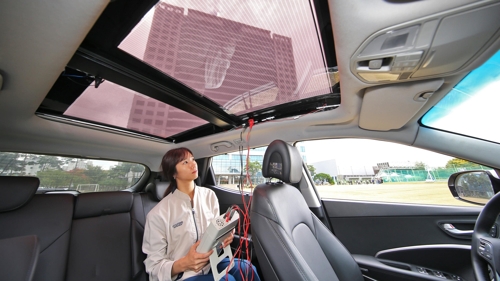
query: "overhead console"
438, 44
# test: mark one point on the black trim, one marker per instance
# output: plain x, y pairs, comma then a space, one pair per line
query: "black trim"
99, 58
127, 71
495, 183
324, 27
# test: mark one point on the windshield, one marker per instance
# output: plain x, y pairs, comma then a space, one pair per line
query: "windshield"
471, 107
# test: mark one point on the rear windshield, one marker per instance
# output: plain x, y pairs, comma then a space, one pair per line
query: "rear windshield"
68, 173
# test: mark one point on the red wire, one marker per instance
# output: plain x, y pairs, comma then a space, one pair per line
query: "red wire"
246, 223
245, 217
245, 212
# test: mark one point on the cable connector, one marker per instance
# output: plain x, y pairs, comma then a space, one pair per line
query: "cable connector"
250, 123
229, 213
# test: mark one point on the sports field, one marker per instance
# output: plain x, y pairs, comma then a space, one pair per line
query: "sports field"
435, 193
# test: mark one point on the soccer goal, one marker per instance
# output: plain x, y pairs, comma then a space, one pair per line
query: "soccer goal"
88, 187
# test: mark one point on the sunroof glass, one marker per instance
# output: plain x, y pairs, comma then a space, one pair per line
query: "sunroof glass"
243, 55
118, 106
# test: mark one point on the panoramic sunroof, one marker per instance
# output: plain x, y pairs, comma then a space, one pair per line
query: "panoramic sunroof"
120, 107
193, 68
243, 55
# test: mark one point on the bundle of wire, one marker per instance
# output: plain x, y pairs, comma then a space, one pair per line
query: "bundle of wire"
244, 222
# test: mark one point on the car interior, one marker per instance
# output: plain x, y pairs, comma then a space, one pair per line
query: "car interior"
236, 81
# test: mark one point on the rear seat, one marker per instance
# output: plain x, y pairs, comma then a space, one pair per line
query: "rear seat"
19, 257
107, 233
101, 244
143, 203
97, 236
46, 216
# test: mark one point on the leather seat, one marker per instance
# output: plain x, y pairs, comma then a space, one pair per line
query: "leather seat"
143, 203
291, 243
19, 257
100, 245
22, 213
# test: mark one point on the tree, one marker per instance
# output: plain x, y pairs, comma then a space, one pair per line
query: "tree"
120, 174
78, 176
324, 178
95, 173
54, 178
120, 170
460, 163
253, 169
312, 170
419, 165
12, 163
46, 162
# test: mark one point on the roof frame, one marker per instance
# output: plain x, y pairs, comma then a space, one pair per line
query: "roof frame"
125, 70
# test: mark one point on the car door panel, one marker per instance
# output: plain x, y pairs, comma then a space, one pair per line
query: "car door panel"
404, 236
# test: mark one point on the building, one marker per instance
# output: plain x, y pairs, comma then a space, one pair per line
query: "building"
153, 117
344, 173
228, 168
76, 164
356, 174
241, 67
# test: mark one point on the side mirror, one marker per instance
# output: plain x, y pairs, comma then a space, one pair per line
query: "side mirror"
475, 187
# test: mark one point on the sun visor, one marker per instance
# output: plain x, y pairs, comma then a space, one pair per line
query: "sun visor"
391, 107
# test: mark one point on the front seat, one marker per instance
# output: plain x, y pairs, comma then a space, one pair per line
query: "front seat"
291, 243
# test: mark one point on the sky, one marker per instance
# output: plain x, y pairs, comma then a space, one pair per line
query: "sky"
472, 105
357, 152
105, 165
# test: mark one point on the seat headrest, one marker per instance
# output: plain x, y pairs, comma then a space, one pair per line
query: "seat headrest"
15, 192
157, 189
282, 161
102, 203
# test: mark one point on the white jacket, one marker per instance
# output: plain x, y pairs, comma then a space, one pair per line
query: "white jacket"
172, 227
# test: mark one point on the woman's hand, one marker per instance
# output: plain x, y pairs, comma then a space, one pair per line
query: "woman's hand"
193, 261
228, 240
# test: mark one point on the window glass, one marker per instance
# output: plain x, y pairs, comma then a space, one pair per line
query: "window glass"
370, 170
471, 104
115, 105
68, 173
238, 54
230, 168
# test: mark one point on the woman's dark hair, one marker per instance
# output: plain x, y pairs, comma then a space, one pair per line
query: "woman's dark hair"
168, 163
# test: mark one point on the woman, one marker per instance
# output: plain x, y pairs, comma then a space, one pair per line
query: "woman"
175, 225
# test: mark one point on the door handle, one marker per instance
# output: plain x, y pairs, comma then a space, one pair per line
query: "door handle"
450, 228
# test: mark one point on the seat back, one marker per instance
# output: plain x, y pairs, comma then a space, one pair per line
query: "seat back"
143, 203
19, 257
100, 247
46, 216
291, 243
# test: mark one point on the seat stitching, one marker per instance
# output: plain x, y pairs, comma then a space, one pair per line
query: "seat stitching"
54, 241
287, 251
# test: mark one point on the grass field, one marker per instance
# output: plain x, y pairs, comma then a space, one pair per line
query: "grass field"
433, 193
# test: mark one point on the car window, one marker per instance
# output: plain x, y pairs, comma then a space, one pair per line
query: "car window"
229, 168
369, 170
475, 95
69, 173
